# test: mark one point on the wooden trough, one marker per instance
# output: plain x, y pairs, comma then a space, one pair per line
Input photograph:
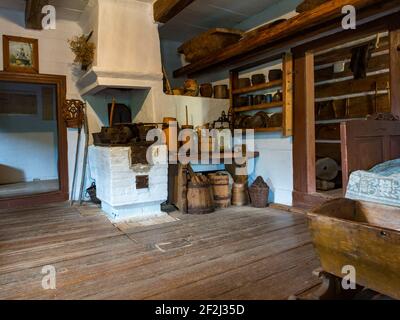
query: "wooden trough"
361, 234
209, 42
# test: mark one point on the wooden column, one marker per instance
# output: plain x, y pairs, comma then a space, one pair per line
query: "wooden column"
288, 95
304, 127
394, 36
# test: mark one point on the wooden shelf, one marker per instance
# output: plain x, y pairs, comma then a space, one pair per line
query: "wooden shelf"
218, 156
272, 129
304, 25
287, 95
258, 87
259, 107
259, 130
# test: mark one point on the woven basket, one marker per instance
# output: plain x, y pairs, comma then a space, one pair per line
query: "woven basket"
259, 196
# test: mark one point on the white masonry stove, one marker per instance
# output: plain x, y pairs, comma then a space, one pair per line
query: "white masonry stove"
129, 191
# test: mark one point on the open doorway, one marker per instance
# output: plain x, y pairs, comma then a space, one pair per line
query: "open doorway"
33, 159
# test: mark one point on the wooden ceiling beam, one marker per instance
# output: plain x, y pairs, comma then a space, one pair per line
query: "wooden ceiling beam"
33, 13
165, 10
289, 29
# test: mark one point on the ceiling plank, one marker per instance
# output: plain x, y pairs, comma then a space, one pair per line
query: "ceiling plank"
310, 19
165, 10
33, 13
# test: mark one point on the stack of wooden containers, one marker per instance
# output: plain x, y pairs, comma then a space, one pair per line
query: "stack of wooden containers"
201, 194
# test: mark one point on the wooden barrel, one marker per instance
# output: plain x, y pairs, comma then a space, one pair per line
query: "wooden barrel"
240, 195
199, 197
220, 189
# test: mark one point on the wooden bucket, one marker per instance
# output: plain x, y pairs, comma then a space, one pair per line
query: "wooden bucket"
240, 196
199, 197
220, 189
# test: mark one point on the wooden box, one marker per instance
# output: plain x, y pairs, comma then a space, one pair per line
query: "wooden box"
361, 234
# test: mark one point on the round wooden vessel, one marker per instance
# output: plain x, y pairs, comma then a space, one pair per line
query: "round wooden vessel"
220, 188
199, 196
240, 196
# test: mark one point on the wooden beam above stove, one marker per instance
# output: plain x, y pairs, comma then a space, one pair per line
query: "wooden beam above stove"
298, 26
33, 13
165, 10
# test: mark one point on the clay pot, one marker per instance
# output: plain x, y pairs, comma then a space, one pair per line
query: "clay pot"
191, 88
206, 90
221, 91
275, 74
258, 79
244, 83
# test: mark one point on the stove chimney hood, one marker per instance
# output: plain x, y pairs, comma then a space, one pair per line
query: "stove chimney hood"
127, 43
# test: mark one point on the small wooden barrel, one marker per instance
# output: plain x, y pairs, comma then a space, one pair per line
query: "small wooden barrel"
220, 188
240, 196
199, 198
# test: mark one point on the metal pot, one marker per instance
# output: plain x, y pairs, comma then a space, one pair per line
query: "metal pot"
221, 91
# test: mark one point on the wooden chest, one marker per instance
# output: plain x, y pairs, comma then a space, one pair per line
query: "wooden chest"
361, 234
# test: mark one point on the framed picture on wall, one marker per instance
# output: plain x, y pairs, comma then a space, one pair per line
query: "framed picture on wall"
20, 54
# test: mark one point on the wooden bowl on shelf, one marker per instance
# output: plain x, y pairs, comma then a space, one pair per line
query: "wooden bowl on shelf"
246, 123
258, 79
244, 83
275, 75
275, 121
257, 121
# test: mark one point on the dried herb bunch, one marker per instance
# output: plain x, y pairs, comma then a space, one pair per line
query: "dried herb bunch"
83, 49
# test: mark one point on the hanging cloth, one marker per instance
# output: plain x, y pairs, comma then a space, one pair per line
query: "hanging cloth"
359, 61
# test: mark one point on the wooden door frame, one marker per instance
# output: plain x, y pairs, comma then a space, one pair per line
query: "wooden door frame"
63, 193
304, 193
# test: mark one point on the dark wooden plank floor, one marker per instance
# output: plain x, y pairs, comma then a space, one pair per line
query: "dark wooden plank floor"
238, 253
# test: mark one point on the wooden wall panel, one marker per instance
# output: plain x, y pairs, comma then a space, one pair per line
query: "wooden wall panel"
375, 64
327, 131
395, 70
379, 82
345, 53
329, 150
